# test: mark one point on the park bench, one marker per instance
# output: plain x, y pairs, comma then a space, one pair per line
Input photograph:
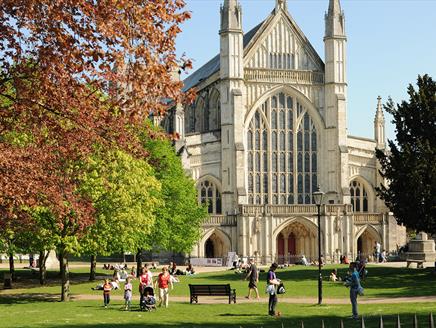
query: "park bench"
211, 290
419, 263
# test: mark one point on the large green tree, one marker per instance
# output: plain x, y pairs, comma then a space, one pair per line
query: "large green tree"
178, 222
125, 195
409, 165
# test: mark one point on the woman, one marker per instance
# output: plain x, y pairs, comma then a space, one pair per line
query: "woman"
272, 283
163, 282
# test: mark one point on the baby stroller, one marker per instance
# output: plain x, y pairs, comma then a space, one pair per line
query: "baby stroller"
148, 302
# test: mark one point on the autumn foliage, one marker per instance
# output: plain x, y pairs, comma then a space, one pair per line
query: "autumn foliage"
75, 74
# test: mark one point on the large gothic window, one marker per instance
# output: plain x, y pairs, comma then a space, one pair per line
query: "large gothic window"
282, 153
359, 196
209, 194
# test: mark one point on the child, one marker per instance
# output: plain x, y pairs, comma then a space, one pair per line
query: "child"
128, 293
106, 292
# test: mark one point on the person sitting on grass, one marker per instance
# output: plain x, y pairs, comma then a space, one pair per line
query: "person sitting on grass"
190, 269
334, 276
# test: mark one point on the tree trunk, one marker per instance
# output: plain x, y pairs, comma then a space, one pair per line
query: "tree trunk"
65, 276
12, 266
42, 268
138, 262
93, 267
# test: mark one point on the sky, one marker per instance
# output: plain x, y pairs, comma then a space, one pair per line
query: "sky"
390, 42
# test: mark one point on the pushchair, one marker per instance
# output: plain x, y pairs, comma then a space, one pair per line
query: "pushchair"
147, 302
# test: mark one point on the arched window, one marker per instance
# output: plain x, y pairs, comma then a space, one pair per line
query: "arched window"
288, 152
190, 119
214, 117
209, 194
359, 196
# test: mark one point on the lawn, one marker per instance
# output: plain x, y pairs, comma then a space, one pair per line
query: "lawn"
34, 306
90, 314
299, 281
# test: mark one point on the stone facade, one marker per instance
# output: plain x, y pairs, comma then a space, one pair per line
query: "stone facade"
267, 128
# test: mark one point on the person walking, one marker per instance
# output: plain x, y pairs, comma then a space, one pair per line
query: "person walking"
163, 282
253, 276
107, 287
272, 283
355, 289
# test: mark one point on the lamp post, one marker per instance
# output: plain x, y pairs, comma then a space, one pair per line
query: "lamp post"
317, 196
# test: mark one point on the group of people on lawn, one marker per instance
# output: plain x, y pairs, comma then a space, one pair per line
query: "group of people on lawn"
165, 279
275, 285
163, 283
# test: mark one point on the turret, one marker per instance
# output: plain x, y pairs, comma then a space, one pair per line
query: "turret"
379, 125
232, 90
335, 42
281, 5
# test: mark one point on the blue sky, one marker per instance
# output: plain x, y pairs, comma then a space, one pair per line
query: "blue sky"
390, 42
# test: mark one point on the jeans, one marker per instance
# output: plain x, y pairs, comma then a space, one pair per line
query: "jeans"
272, 304
353, 298
106, 298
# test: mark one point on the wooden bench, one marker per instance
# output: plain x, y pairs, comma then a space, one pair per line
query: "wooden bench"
419, 263
211, 290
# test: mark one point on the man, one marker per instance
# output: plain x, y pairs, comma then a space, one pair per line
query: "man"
253, 276
377, 251
272, 283
355, 288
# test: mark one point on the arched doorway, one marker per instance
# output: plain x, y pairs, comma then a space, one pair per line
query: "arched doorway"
296, 240
209, 249
216, 246
366, 242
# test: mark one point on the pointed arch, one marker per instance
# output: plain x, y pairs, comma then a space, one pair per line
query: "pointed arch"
214, 110
310, 225
288, 154
221, 240
365, 199
209, 192
371, 230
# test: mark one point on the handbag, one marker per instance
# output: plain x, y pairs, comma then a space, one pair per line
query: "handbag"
281, 289
360, 291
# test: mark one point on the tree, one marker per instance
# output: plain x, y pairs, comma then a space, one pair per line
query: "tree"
73, 75
409, 165
178, 223
125, 196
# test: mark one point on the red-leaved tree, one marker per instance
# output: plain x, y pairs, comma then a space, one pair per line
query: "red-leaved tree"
76, 74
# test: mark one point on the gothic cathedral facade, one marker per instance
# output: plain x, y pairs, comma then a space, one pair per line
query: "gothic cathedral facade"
268, 127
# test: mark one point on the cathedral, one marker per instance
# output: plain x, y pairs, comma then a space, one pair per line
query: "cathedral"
267, 129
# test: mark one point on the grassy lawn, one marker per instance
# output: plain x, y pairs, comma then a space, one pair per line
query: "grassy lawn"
30, 313
29, 310
299, 281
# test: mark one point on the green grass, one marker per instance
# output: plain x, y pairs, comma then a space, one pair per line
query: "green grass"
299, 281
34, 306
90, 314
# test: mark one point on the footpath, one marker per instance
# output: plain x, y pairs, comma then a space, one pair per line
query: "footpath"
224, 300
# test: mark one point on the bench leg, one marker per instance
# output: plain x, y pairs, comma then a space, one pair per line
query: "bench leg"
408, 264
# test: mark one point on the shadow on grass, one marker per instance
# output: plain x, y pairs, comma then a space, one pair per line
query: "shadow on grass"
265, 321
27, 298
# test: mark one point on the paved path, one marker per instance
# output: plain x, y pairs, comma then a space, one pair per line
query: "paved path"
214, 300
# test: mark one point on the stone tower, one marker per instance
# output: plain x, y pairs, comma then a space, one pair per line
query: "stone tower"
335, 40
232, 106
